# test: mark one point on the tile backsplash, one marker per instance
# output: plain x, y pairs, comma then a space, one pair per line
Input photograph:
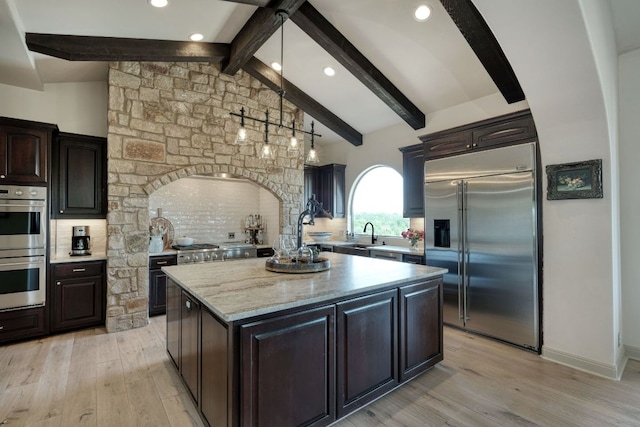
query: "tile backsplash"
61, 232
208, 209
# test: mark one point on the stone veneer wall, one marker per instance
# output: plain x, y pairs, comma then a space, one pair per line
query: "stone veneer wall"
168, 121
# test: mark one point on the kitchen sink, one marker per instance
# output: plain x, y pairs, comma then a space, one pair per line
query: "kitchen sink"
354, 249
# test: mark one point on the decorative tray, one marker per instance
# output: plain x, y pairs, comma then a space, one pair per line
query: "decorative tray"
318, 265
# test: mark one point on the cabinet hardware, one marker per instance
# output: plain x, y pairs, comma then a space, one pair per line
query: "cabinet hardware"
2, 176
79, 270
61, 211
162, 262
1, 328
475, 145
468, 145
187, 304
58, 283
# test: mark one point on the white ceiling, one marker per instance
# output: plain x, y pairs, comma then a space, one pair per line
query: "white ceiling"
429, 62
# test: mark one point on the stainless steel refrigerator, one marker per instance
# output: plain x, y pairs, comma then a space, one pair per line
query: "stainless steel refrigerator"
481, 224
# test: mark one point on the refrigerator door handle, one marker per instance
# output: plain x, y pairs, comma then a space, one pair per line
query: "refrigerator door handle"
459, 251
466, 254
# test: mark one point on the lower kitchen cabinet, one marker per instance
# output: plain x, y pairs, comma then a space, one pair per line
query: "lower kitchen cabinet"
420, 327
19, 324
158, 283
174, 304
413, 259
367, 343
78, 295
289, 359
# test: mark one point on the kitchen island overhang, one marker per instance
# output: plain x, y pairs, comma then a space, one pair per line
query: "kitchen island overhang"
333, 340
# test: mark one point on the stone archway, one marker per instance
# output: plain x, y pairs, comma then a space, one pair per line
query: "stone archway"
169, 121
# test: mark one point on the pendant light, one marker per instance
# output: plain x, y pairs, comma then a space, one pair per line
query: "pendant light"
267, 150
312, 155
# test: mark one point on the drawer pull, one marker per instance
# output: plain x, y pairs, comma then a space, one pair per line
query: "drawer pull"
162, 262
79, 270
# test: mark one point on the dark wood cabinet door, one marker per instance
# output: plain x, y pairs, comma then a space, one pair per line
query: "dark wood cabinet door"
331, 189
23, 155
189, 339
78, 295
505, 132
413, 181
79, 176
157, 292
289, 359
448, 144
21, 324
420, 327
367, 343
310, 182
214, 373
174, 304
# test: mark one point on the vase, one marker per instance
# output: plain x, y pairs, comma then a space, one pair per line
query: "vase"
414, 246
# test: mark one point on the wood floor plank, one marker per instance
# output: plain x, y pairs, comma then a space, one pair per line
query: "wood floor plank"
81, 404
181, 411
50, 393
113, 401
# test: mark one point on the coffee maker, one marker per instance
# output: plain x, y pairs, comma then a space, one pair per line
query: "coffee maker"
80, 241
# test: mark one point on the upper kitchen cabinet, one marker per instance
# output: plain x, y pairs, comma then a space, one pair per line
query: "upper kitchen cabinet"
413, 181
331, 189
23, 151
509, 129
79, 176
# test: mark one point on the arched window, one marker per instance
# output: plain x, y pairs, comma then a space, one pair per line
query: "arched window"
377, 197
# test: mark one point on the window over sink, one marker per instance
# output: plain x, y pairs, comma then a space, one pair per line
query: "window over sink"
377, 197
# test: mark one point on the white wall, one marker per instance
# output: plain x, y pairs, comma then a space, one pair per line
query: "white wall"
74, 107
629, 64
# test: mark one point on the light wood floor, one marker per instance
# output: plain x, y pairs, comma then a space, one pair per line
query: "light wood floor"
91, 378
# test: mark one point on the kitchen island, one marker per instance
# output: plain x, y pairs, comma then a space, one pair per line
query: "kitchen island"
259, 348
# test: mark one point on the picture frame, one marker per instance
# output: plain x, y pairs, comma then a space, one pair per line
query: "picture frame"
580, 180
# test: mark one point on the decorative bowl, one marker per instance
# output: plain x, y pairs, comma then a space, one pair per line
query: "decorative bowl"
319, 236
184, 241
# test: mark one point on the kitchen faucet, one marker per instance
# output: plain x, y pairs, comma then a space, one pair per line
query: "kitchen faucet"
373, 238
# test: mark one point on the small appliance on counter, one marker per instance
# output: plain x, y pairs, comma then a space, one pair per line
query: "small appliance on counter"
80, 241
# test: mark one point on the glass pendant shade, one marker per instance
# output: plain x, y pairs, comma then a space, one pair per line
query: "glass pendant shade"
293, 144
266, 152
312, 156
241, 136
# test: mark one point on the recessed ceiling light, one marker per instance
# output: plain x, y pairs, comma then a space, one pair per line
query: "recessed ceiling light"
422, 13
158, 3
329, 71
276, 66
196, 37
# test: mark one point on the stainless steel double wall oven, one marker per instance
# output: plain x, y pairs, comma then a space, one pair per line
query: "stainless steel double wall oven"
23, 243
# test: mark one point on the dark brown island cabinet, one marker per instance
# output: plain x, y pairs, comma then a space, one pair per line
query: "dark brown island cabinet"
308, 366
78, 295
24, 150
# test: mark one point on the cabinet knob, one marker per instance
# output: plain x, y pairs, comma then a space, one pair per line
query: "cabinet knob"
2, 176
58, 283
475, 145
468, 145
187, 304
61, 211
1, 328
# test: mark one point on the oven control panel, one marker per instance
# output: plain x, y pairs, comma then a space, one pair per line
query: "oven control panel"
22, 192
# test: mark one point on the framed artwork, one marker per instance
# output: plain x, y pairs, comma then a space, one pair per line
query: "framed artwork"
580, 180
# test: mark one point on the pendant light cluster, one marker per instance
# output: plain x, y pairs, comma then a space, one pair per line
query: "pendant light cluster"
267, 151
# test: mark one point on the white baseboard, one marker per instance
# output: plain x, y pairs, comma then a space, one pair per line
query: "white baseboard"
597, 368
632, 352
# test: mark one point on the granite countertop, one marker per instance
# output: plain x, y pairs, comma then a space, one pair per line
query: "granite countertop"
98, 256
241, 289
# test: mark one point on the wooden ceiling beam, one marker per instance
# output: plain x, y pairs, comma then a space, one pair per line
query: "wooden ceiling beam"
479, 36
255, 32
326, 35
271, 79
89, 48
